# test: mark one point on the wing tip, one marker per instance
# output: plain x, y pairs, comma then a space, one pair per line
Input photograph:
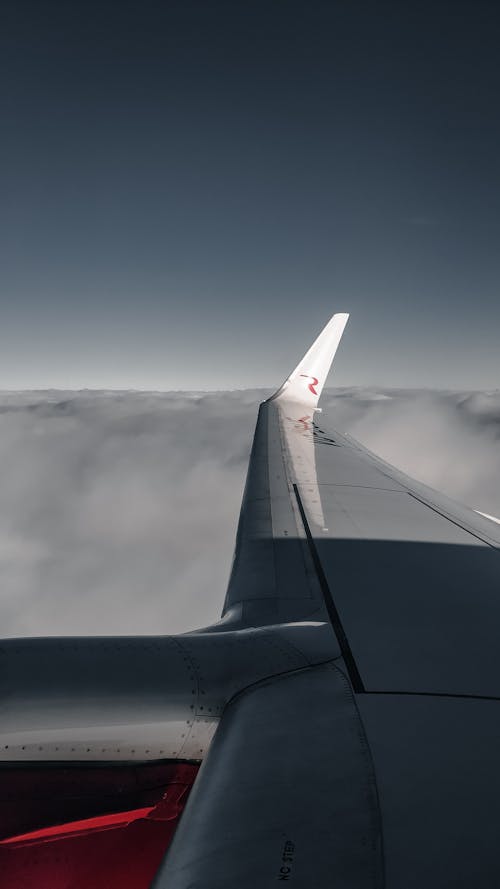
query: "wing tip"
306, 382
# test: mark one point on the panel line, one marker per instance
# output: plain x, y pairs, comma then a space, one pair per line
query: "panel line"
352, 669
444, 515
434, 694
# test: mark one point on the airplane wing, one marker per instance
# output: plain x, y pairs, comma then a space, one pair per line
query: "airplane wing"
377, 768
338, 727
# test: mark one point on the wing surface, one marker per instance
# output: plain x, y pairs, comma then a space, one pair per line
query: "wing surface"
411, 578
379, 768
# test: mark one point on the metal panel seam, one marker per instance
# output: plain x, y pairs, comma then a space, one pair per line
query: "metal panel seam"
272, 676
376, 812
453, 521
354, 674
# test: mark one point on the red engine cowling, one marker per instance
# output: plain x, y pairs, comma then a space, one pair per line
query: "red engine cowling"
89, 826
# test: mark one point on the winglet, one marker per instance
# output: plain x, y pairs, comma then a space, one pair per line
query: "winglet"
306, 382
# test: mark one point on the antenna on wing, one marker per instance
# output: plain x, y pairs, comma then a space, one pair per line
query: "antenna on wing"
306, 382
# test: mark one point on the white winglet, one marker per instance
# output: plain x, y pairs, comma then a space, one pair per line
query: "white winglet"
306, 382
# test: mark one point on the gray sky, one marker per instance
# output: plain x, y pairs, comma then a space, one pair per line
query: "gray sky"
188, 190
118, 510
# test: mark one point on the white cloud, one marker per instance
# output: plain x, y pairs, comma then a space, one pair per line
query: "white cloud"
118, 511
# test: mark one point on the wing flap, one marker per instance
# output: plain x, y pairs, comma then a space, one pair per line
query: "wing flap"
415, 585
286, 794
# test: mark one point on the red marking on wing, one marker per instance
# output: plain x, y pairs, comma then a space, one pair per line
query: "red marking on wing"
314, 383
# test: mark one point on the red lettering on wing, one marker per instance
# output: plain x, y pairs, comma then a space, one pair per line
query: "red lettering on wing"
314, 383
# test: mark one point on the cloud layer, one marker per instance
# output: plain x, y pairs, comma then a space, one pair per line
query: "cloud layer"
118, 510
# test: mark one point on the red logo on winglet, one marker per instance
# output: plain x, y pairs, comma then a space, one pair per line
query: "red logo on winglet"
314, 383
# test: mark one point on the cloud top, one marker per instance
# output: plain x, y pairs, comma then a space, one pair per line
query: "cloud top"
118, 510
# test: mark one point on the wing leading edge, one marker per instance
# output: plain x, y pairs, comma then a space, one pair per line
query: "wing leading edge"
273, 578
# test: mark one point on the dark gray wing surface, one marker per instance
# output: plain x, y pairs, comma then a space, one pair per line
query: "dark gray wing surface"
415, 578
